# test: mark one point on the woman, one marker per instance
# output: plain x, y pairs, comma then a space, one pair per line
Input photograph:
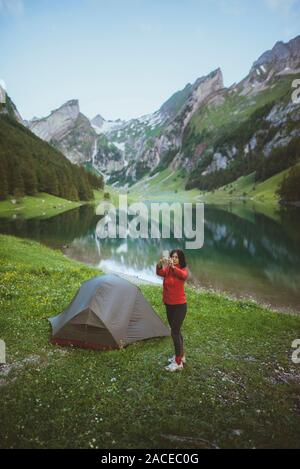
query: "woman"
175, 274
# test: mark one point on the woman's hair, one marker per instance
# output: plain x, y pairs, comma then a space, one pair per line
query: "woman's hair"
181, 257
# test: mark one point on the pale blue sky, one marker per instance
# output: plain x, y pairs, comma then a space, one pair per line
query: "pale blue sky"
124, 58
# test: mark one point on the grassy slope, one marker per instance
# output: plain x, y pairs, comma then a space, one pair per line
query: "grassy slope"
239, 387
245, 187
45, 205
237, 108
113, 193
169, 186
165, 186
42, 205
225, 118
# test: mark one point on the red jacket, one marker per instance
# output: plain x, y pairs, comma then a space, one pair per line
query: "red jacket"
173, 285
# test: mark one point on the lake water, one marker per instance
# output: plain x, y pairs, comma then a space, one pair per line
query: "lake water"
245, 253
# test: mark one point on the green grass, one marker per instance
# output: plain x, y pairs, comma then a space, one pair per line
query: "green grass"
167, 185
42, 205
113, 195
246, 188
45, 205
237, 108
239, 387
266, 190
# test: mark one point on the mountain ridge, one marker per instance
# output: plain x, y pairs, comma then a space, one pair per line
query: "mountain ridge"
186, 131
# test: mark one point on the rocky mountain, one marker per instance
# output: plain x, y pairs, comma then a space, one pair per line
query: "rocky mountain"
97, 121
282, 58
255, 127
7, 107
214, 133
102, 126
151, 142
29, 165
70, 131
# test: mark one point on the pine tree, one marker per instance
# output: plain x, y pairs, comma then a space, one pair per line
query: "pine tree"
84, 189
73, 193
18, 182
3, 183
63, 186
18, 194
290, 187
51, 181
30, 181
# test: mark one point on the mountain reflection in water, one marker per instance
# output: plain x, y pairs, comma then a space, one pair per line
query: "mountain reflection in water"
245, 253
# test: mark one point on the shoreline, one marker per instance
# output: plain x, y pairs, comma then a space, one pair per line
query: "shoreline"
199, 289
131, 278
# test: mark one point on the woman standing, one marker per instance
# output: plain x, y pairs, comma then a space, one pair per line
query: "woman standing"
175, 274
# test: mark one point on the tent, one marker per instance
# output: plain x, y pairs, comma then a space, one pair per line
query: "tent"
107, 312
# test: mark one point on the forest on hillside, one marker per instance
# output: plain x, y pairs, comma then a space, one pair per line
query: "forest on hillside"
29, 165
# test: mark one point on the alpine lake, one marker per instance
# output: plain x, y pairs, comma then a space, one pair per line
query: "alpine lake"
247, 252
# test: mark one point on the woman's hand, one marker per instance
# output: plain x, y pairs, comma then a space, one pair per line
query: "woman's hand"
163, 262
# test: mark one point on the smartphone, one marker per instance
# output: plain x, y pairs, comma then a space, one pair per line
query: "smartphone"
165, 254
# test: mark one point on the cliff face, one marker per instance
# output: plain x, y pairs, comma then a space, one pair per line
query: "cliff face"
206, 128
8, 107
256, 119
68, 130
71, 132
58, 124
203, 128
282, 60
196, 129
283, 56
155, 140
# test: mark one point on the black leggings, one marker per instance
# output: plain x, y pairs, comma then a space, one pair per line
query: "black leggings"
176, 315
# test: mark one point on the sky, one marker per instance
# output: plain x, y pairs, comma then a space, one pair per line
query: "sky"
125, 58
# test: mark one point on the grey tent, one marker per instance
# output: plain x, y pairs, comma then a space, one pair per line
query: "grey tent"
107, 312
